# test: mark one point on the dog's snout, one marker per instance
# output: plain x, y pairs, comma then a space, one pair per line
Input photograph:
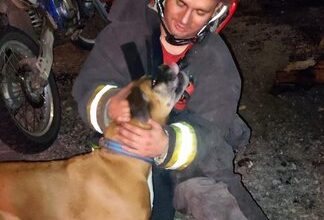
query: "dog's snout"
165, 74
174, 68
182, 82
153, 83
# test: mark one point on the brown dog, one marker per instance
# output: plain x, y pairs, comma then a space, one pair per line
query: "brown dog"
99, 185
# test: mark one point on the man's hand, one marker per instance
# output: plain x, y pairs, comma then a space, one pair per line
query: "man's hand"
118, 106
147, 143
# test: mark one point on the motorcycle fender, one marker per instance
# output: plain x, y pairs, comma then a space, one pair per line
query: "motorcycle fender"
16, 17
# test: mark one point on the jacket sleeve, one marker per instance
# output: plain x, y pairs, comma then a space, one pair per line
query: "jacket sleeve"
212, 110
101, 75
105, 69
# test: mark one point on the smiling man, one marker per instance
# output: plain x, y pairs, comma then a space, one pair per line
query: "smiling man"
185, 18
197, 146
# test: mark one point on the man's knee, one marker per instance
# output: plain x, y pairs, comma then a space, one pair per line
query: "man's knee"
205, 199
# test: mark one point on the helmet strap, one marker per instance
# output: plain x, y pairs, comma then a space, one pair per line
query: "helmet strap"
210, 26
171, 39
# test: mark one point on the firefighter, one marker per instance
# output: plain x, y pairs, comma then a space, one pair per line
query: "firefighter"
196, 148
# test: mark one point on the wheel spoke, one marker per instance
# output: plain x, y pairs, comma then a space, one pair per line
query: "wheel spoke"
21, 102
35, 119
9, 59
25, 114
10, 67
13, 99
18, 115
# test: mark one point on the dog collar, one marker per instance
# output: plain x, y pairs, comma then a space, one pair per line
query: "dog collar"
116, 147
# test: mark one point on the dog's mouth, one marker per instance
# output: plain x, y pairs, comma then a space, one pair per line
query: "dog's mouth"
170, 84
177, 87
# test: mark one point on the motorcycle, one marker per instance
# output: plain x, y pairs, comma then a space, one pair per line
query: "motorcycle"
30, 110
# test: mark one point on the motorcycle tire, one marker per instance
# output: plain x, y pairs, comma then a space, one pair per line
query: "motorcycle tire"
24, 126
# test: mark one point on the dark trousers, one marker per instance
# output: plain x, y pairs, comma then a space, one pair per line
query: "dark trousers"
163, 195
207, 199
218, 196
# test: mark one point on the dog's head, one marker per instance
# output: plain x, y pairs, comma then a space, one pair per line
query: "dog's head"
155, 98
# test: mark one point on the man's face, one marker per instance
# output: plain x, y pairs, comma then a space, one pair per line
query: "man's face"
184, 18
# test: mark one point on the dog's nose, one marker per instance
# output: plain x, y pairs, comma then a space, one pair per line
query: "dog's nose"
174, 68
153, 83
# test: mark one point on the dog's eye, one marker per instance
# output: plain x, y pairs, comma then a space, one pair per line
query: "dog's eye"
154, 81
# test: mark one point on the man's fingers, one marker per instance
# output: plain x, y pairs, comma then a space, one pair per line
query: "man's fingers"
127, 142
123, 119
133, 129
124, 108
128, 133
153, 123
130, 149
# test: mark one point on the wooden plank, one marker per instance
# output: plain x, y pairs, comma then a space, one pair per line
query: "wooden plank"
319, 72
301, 73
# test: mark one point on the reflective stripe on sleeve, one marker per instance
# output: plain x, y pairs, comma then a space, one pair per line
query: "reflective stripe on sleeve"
185, 146
99, 92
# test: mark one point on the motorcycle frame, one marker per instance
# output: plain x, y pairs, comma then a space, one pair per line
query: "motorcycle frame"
15, 12
17, 17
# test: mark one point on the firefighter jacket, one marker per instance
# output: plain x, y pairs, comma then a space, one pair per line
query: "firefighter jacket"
209, 120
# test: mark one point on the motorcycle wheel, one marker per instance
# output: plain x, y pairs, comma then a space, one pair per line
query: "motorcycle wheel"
27, 126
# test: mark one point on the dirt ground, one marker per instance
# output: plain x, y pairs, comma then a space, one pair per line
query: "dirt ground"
283, 166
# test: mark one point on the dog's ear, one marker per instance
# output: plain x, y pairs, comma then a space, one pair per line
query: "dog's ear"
138, 104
